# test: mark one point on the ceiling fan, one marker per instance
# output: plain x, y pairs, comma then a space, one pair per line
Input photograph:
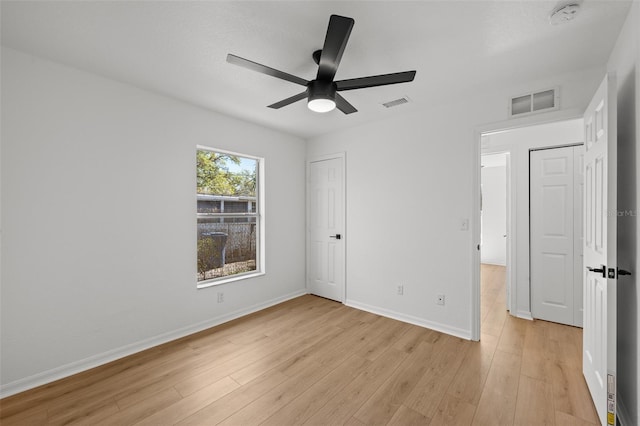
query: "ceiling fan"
321, 93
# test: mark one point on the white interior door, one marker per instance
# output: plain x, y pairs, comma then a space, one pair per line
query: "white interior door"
556, 259
599, 335
326, 254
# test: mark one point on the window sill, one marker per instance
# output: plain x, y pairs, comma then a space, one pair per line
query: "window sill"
218, 281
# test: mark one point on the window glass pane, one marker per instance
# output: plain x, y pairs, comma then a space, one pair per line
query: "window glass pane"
228, 214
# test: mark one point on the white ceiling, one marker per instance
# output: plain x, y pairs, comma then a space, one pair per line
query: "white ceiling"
179, 49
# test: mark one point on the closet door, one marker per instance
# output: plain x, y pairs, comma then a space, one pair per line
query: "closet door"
555, 214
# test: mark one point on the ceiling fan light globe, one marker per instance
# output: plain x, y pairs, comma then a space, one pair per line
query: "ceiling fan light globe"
321, 105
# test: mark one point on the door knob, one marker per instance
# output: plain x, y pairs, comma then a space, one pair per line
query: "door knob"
602, 270
337, 236
623, 272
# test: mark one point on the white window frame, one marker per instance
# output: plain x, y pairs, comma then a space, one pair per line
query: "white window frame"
260, 222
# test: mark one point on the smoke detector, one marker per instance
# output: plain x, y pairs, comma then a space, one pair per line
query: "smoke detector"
564, 13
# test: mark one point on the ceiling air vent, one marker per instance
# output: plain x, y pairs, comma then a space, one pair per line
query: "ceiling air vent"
396, 102
542, 101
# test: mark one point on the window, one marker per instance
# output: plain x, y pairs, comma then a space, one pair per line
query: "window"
228, 216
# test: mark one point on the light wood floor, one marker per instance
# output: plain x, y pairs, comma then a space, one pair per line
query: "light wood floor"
317, 362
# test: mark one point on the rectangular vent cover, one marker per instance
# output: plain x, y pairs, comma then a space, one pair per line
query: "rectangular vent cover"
544, 100
396, 102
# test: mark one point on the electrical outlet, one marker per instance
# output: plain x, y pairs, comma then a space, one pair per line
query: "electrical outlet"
400, 290
220, 297
440, 299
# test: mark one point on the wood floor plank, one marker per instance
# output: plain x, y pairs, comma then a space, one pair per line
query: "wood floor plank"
442, 367
470, 378
535, 404
347, 401
569, 341
85, 413
405, 416
497, 403
317, 362
383, 404
494, 320
82, 383
352, 422
350, 316
153, 375
513, 335
191, 404
409, 341
284, 356
540, 353
454, 411
36, 415
383, 334
316, 396
67, 396
274, 399
254, 357
326, 353
564, 419
144, 408
261, 319
232, 402
571, 394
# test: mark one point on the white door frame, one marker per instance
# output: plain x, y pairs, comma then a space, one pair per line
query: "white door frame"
343, 156
512, 235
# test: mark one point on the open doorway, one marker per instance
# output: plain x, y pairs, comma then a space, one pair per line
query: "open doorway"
518, 142
494, 179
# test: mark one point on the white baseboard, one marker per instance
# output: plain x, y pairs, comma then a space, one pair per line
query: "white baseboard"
443, 328
112, 355
493, 263
524, 315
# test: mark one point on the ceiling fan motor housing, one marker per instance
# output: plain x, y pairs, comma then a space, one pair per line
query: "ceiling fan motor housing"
319, 89
321, 95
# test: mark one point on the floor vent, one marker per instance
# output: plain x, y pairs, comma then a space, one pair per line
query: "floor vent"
544, 100
396, 102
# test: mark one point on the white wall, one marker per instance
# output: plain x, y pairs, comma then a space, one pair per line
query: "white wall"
518, 143
426, 162
625, 61
494, 214
98, 220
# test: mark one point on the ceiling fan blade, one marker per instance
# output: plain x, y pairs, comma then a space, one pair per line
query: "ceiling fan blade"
334, 43
376, 80
236, 60
343, 105
288, 101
